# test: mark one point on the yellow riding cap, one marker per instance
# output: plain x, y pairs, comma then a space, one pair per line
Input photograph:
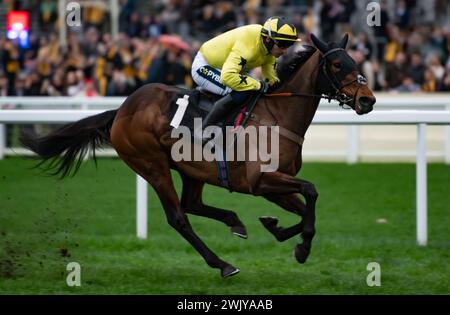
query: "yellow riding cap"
277, 28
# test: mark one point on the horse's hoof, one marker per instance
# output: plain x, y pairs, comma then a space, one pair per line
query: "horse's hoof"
269, 222
301, 253
239, 231
229, 271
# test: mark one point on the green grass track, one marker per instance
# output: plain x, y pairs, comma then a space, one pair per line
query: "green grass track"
45, 223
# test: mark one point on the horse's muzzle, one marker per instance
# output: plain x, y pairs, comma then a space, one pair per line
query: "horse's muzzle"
364, 105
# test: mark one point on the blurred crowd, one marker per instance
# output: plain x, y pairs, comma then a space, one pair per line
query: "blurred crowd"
409, 51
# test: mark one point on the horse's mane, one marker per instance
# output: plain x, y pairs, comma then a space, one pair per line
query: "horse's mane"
292, 63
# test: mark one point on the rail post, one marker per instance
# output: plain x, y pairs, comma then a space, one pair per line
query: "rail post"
421, 185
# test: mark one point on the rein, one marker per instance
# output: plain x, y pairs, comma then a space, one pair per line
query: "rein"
341, 98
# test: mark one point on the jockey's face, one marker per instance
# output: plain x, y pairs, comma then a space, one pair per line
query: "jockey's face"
278, 51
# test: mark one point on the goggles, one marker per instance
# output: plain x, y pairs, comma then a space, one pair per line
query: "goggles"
284, 43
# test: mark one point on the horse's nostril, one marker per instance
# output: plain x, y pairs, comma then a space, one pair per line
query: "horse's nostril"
366, 101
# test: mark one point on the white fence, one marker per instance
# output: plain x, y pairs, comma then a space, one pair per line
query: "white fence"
350, 143
420, 118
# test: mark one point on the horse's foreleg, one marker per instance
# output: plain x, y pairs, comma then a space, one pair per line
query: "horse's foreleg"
290, 203
191, 202
280, 183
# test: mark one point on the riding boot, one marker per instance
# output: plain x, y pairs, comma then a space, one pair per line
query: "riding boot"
218, 111
220, 108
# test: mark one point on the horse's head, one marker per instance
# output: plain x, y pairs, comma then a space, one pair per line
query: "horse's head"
341, 78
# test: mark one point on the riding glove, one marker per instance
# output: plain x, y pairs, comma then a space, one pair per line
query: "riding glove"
264, 86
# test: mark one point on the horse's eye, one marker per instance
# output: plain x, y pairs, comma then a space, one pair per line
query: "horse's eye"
337, 65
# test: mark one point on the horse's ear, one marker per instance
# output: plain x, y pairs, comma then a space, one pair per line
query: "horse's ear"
344, 41
322, 46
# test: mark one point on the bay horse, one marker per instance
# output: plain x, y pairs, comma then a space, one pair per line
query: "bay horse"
140, 133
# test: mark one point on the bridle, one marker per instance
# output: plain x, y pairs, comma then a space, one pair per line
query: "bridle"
337, 86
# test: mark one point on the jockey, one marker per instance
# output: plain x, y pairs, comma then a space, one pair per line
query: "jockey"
221, 66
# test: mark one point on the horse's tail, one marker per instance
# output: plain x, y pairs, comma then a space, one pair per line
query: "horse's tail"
65, 148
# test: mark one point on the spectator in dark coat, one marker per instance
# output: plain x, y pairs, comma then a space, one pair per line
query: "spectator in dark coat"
396, 71
417, 68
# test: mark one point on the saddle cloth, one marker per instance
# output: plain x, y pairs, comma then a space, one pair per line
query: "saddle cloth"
198, 104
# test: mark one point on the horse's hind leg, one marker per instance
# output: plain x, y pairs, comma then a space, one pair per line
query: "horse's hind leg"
290, 203
191, 202
158, 175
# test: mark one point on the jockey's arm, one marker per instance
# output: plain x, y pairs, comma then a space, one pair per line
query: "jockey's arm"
268, 71
232, 76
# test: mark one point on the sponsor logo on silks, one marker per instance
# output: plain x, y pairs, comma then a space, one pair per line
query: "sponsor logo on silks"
211, 74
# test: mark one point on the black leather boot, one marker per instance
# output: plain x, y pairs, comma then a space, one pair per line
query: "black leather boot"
220, 108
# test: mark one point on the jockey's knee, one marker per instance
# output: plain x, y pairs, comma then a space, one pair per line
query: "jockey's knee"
240, 97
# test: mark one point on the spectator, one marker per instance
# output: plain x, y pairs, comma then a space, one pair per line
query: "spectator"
401, 14
378, 75
431, 83
33, 85
297, 20
134, 26
48, 15
445, 85
45, 67
329, 16
72, 84
436, 67
408, 85
119, 85
363, 45
4, 86
19, 86
157, 27
417, 69
395, 44
310, 22
94, 15
127, 7
88, 89
11, 60
381, 31
56, 86
396, 71
176, 72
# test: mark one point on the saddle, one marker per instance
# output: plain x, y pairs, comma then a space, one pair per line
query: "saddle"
198, 103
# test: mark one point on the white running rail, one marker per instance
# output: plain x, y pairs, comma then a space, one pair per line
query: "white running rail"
420, 118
